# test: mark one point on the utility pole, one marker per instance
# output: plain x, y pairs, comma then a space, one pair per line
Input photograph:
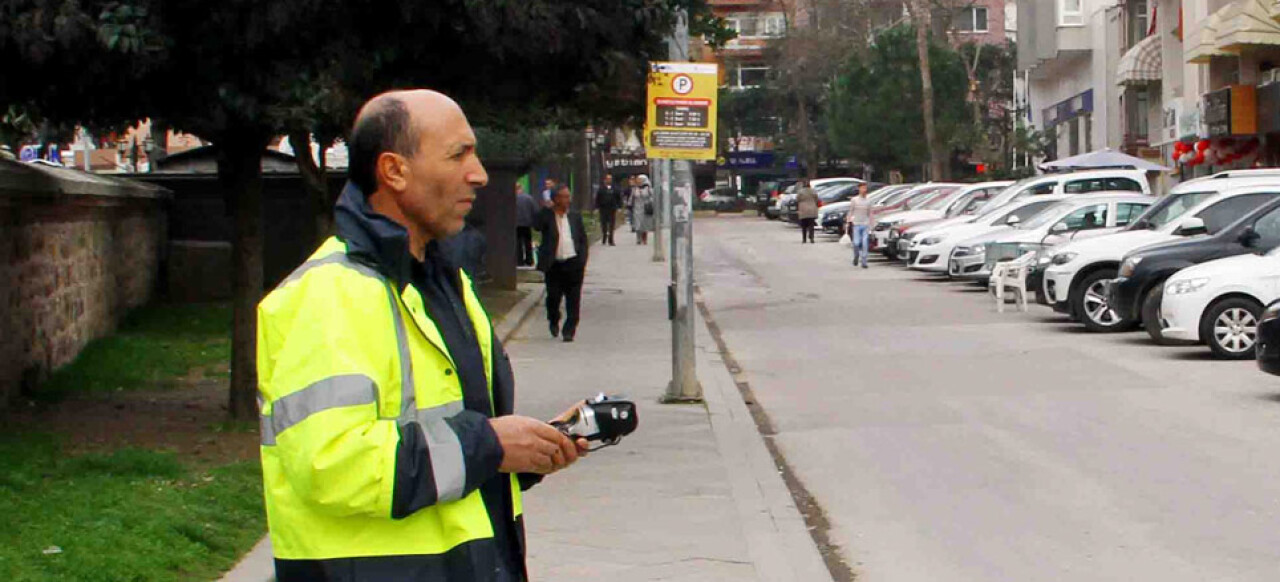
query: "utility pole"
678, 206
661, 185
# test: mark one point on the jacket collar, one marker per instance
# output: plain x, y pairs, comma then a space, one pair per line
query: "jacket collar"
372, 238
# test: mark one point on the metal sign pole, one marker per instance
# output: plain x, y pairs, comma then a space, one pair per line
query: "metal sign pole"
684, 386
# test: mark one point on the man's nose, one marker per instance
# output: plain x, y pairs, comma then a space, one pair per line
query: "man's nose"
476, 176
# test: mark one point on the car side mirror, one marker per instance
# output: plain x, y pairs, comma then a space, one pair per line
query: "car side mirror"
1192, 226
1249, 237
1013, 220
1058, 228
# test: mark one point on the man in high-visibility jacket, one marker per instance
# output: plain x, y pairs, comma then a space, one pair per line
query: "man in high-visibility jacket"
389, 447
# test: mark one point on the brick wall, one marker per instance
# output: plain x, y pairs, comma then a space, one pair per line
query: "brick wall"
77, 251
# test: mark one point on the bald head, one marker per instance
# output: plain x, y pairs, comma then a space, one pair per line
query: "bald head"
394, 122
413, 154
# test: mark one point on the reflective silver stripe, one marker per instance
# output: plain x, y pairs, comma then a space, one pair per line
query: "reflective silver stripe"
326, 394
407, 394
448, 467
339, 258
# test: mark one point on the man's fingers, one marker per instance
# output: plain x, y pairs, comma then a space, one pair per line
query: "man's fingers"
568, 449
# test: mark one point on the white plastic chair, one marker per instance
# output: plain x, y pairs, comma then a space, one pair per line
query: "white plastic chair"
1012, 275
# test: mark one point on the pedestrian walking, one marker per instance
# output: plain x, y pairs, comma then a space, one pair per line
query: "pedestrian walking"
807, 203
548, 190
607, 201
389, 448
642, 209
526, 214
626, 200
562, 258
858, 221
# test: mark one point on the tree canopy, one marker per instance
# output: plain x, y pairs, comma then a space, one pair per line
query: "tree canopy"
237, 72
868, 108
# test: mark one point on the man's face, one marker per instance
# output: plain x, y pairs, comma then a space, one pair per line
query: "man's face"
550, 184
608, 180
862, 190
562, 199
519, 188
440, 183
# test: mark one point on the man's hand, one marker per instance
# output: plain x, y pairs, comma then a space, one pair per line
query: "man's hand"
532, 446
582, 444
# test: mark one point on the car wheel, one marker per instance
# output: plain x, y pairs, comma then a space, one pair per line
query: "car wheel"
1151, 315
1230, 327
1091, 304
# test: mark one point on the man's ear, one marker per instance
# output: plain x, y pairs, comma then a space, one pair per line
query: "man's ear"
393, 171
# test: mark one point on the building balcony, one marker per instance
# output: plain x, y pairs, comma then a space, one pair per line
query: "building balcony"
1044, 36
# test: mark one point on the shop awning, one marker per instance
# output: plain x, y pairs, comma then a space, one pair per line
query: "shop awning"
1202, 43
1141, 64
1247, 22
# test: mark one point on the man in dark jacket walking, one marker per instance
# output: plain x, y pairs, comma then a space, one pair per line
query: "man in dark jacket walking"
608, 199
526, 214
562, 257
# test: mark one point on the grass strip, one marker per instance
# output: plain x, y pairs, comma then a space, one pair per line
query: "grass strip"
154, 346
127, 515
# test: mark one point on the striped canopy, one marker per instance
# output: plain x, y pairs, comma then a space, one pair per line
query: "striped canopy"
1141, 64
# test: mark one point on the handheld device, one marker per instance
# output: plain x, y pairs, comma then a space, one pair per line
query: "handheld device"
605, 419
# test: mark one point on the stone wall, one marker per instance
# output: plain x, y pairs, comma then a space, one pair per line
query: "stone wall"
77, 252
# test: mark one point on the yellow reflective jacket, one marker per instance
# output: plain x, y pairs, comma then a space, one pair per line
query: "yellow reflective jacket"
367, 448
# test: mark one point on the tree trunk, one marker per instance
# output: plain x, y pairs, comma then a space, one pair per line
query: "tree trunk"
240, 174
313, 180
937, 157
806, 141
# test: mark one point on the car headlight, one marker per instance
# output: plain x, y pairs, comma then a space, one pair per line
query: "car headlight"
1064, 258
1184, 286
1271, 312
978, 249
932, 240
1129, 265
1044, 260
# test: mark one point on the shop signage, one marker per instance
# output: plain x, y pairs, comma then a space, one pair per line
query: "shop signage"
1231, 111
626, 161
1269, 108
747, 160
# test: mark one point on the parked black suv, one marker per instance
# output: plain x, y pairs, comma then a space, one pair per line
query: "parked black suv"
1136, 293
1269, 339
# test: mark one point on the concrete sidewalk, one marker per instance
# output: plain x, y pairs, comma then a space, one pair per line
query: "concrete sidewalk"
692, 495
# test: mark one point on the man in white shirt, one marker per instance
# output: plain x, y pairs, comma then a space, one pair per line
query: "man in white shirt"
562, 257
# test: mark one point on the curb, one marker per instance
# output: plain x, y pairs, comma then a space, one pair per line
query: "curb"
778, 539
516, 317
259, 566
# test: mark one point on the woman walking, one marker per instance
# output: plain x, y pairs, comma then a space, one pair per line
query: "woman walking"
642, 209
807, 204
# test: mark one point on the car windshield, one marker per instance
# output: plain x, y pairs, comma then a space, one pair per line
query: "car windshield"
895, 197
884, 193
1009, 193
1049, 214
938, 201
837, 194
1169, 209
1022, 211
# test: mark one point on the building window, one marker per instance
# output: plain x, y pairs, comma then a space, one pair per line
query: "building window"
749, 77
1070, 13
763, 25
971, 19
1139, 21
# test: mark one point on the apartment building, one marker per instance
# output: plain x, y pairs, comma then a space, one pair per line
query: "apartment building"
1142, 75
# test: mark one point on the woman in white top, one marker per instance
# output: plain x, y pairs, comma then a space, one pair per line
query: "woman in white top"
643, 207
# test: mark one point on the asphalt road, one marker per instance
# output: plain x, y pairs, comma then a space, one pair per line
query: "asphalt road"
947, 442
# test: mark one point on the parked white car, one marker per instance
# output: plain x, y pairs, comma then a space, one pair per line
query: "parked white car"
1219, 302
890, 211
1079, 272
831, 216
1074, 218
959, 207
933, 247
